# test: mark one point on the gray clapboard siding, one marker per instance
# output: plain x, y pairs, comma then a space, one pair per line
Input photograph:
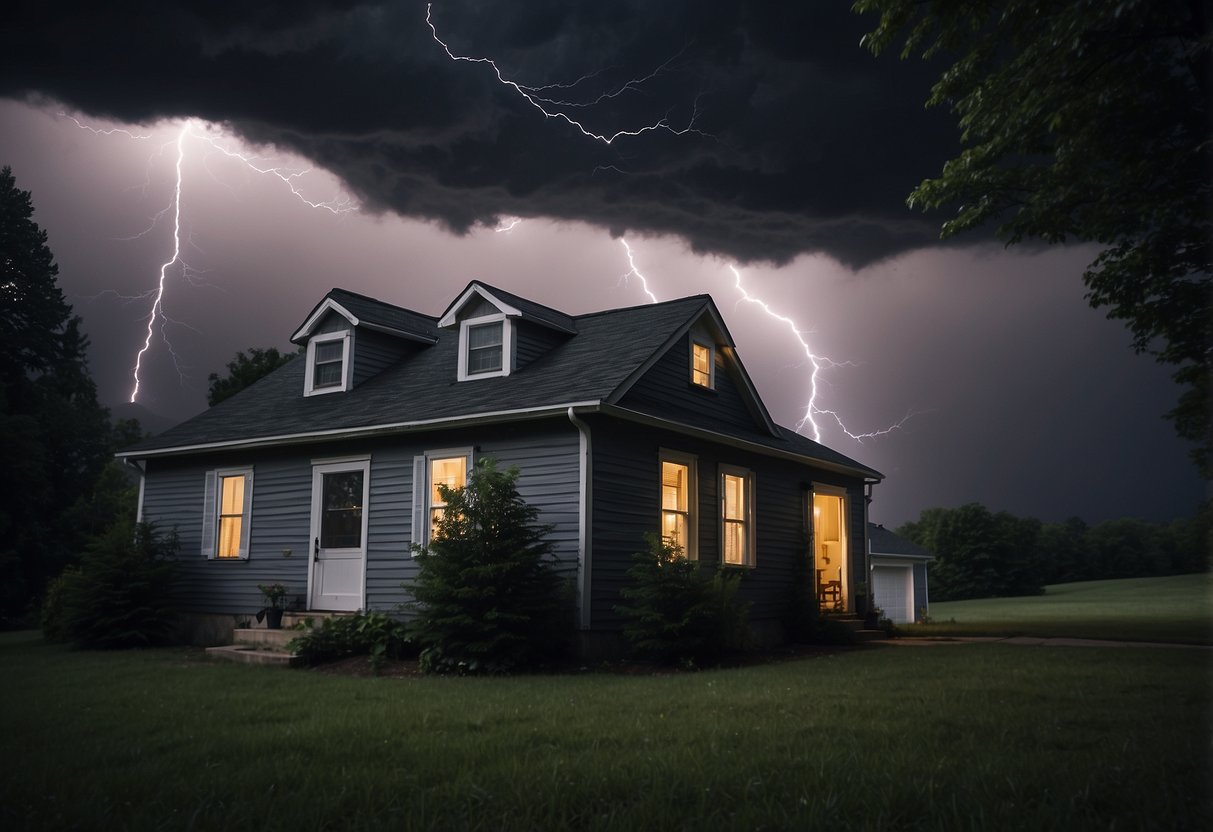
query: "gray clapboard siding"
627, 506
666, 390
546, 454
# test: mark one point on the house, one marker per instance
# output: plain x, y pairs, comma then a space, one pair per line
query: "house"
899, 575
624, 422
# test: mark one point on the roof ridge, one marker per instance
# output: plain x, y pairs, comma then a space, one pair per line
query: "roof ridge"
634, 307
379, 301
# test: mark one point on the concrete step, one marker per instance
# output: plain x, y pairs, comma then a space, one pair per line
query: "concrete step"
264, 638
249, 654
290, 619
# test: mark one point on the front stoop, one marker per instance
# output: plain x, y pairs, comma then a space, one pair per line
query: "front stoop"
855, 625
258, 645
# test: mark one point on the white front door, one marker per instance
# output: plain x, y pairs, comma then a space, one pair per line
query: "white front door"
340, 491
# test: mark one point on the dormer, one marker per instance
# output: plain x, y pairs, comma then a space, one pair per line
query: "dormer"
351, 338
500, 333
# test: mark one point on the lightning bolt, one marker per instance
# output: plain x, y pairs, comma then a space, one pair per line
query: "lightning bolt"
633, 271
195, 129
532, 95
816, 361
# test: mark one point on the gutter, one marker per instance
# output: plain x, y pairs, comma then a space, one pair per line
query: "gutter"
369, 431
141, 467
585, 540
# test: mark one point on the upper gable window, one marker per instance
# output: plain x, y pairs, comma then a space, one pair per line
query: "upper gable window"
328, 364
485, 347
703, 364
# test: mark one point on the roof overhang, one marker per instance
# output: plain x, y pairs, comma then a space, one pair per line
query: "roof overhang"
309, 437
736, 442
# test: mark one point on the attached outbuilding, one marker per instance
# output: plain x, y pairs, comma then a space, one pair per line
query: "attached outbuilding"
899, 575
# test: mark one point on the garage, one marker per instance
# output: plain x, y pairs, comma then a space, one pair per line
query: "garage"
894, 587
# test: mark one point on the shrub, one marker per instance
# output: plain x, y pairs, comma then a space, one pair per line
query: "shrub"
488, 600
373, 634
121, 596
680, 611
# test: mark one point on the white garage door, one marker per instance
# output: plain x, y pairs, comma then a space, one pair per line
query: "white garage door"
893, 585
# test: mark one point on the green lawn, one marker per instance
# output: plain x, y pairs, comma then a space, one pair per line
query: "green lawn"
961, 736
1176, 608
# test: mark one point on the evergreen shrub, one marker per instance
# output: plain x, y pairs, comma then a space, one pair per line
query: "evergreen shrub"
121, 594
681, 611
487, 596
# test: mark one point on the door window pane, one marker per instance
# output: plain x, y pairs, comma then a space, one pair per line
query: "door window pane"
341, 518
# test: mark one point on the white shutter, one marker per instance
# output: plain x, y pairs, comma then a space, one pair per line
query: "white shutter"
420, 501
208, 516
246, 521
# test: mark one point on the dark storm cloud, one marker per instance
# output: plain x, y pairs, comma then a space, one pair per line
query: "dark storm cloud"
805, 141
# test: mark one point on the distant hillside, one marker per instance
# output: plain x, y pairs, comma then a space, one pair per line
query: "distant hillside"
151, 422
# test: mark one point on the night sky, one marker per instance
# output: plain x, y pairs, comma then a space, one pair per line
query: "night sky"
786, 151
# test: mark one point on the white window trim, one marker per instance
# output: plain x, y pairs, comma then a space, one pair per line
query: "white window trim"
691, 462
421, 496
507, 346
210, 520
309, 388
711, 348
751, 516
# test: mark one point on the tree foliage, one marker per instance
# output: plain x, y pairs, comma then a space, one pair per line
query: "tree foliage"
54, 436
1086, 120
679, 610
121, 594
980, 554
488, 598
243, 370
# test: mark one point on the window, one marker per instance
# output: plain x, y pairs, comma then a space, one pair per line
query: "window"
231, 515
678, 501
485, 347
328, 364
227, 508
736, 516
449, 471
702, 365
448, 467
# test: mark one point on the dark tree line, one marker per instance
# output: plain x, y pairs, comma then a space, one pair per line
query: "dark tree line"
984, 554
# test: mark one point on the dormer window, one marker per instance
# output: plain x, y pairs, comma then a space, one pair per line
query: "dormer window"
328, 364
485, 347
703, 363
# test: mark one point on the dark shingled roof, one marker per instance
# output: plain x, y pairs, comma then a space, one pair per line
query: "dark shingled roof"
881, 541
377, 314
588, 367
537, 312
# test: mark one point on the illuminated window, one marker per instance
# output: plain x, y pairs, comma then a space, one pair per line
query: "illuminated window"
450, 471
231, 515
701, 364
485, 345
327, 364
678, 501
226, 513
736, 516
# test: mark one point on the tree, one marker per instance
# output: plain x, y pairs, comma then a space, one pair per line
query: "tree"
488, 599
1086, 120
243, 370
978, 554
53, 433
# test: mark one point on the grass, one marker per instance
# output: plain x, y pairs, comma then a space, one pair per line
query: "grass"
971, 736
1177, 608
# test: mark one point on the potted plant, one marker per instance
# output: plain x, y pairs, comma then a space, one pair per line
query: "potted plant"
271, 613
861, 599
